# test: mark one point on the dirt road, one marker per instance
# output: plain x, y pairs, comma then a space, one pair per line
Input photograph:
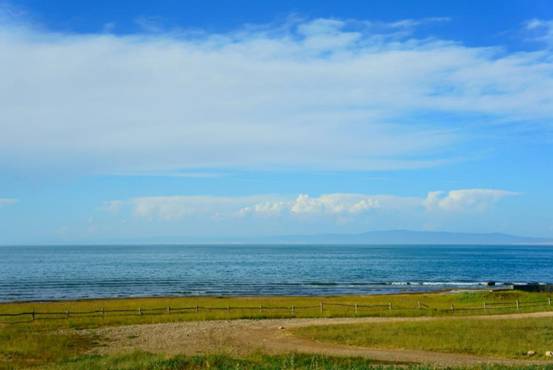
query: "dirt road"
242, 337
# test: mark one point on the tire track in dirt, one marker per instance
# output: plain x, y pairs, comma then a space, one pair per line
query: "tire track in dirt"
273, 336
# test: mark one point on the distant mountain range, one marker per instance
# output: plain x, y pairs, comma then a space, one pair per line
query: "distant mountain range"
406, 237
387, 237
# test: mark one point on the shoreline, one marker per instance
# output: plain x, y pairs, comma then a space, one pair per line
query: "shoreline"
401, 290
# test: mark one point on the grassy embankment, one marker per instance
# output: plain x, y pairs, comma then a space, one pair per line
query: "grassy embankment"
503, 338
45, 340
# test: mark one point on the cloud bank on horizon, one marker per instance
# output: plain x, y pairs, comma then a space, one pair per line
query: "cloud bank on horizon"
302, 95
171, 208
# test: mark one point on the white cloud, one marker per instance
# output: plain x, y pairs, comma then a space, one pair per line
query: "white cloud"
7, 201
542, 30
335, 205
465, 199
266, 208
331, 94
176, 207
180, 206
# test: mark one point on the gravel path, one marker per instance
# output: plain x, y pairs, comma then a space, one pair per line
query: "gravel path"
242, 337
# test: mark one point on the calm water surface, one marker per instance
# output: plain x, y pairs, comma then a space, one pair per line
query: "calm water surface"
65, 272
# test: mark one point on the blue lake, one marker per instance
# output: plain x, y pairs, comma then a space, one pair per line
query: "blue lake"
67, 272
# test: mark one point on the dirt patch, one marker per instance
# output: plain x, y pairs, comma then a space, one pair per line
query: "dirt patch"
243, 337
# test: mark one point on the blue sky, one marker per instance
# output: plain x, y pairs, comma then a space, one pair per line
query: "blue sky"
170, 120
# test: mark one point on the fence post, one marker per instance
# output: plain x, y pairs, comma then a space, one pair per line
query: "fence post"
518, 305
419, 305
168, 309
33, 314
66, 314
321, 307
484, 305
293, 310
452, 307
140, 311
549, 301
356, 308
390, 306
103, 312
260, 308
197, 309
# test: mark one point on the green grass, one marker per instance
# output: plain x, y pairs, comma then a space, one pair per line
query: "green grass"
25, 346
276, 307
503, 338
143, 361
147, 361
25, 343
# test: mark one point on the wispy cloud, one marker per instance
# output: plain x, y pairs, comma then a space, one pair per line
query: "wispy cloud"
151, 24
7, 201
112, 206
541, 30
188, 174
322, 93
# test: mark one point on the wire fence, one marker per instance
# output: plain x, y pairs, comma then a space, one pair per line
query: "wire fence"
323, 308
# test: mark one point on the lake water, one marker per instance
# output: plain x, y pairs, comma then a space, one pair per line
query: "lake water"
66, 272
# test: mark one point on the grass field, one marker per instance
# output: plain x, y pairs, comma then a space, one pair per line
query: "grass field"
155, 309
146, 361
140, 360
504, 338
25, 343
